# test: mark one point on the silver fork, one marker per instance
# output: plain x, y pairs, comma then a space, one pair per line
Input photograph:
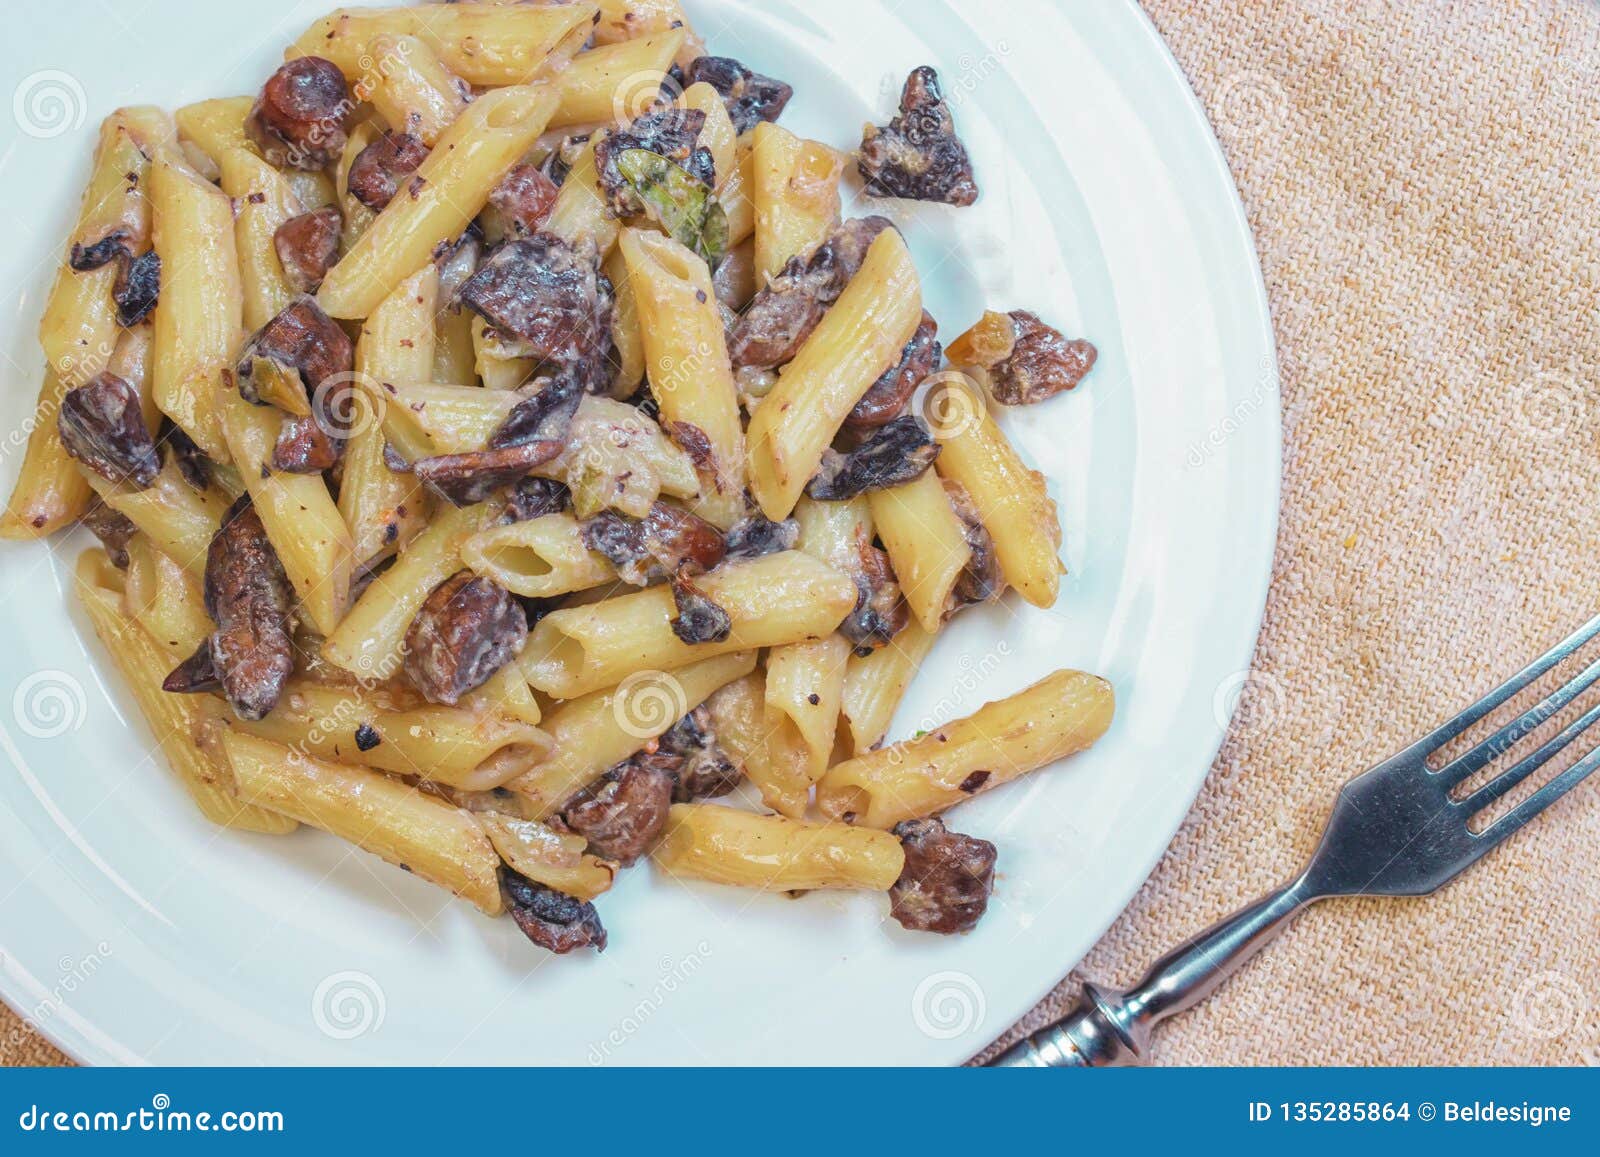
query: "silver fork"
1394, 831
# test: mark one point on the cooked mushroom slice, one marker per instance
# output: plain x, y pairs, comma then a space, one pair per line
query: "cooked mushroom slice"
467, 479
757, 535
544, 416
102, 425
534, 498
699, 618
918, 155
751, 98
457, 260
981, 579
114, 246
307, 247
894, 455
305, 447
384, 167
668, 540
777, 323
195, 674
947, 879
623, 813
544, 298
524, 198
466, 631
137, 288
880, 613
706, 770
248, 596
113, 528
886, 398
672, 133
301, 362
561, 159
551, 919
1027, 361
300, 119
193, 464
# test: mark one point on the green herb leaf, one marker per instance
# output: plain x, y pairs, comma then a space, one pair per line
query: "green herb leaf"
684, 205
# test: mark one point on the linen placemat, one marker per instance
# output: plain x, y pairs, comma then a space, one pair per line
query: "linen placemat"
1423, 179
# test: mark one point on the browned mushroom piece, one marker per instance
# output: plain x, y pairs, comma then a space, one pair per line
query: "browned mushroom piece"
672, 133
301, 118
880, 613
248, 596
551, 919
885, 400
304, 446
467, 479
1027, 361
467, 629
113, 528
534, 498
776, 324
623, 813
457, 260
755, 536
544, 298
566, 153
543, 416
384, 167
749, 96
301, 362
524, 198
981, 579
947, 878
706, 771
893, 455
116, 245
307, 247
137, 288
196, 674
700, 619
668, 540
101, 424
918, 155
193, 464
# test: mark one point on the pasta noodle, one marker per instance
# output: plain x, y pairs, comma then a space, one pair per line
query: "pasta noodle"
726, 846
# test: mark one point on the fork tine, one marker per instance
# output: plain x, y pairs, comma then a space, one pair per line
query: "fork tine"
1445, 732
1525, 811
1503, 783
1501, 741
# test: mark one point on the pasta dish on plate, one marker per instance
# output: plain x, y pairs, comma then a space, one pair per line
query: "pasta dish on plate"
502, 445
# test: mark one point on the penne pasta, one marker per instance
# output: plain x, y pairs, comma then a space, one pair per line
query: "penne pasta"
398, 823
1010, 500
860, 338
449, 189
717, 135
580, 211
875, 683
616, 82
484, 44
411, 87
626, 338
497, 369
538, 559
794, 188
739, 719
382, 509
804, 689
617, 458
782, 598
178, 519
177, 721
724, 845
470, 750
620, 20
926, 542
165, 599
200, 316
367, 641
1061, 714
686, 361
595, 732
555, 859
50, 492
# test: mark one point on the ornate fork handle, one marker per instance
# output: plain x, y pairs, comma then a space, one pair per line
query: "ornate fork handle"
1114, 1028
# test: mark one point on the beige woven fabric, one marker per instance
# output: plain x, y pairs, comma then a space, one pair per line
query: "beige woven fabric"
1424, 184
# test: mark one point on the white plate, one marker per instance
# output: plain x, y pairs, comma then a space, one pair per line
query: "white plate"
134, 932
